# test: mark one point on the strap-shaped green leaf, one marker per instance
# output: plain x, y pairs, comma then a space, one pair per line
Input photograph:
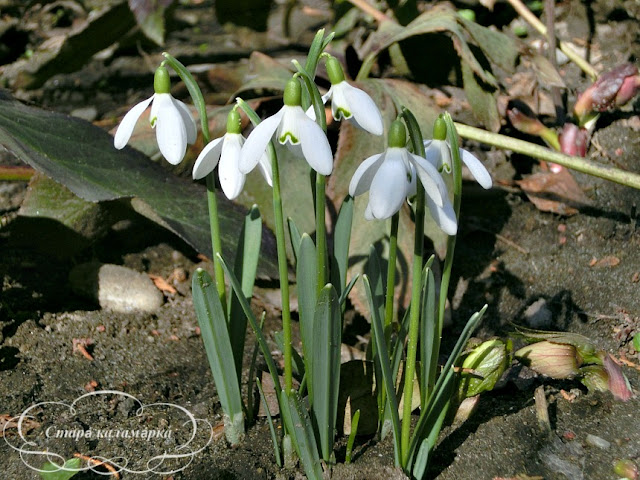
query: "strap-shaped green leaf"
213, 328
327, 337
341, 240
306, 275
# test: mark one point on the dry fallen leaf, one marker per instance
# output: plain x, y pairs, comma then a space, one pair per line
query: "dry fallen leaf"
162, 285
608, 261
554, 192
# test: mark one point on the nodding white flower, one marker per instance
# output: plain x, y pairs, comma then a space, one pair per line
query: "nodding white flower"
390, 178
349, 102
291, 126
226, 151
174, 124
438, 152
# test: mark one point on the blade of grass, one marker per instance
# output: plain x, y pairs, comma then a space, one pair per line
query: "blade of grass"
352, 436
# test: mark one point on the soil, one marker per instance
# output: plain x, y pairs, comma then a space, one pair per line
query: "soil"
509, 255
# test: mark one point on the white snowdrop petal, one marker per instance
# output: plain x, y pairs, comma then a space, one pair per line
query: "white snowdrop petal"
256, 144
231, 179
125, 129
477, 169
431, 180
389, 188
364, 110
208, 158
362, 178
171, 133
189, 121
315, 146
444, 216
265, 168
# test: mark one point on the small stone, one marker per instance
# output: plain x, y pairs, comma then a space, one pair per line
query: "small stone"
86, 113
597, 442
115, 287
538, 315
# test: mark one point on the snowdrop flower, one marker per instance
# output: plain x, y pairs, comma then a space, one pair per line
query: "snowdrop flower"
438, 153
226, 150
349, 102
390, 177
292, 126
175, 125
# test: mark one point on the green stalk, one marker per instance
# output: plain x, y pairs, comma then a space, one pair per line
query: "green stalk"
321, 231
283, 270
212, 201
452, 140
391, 273
416, 291
579, 164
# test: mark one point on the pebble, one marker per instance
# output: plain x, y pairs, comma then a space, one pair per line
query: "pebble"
538, 314
597, 442
116, 288
86, 113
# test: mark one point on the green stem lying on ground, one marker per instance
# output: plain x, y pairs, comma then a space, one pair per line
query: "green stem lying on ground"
579, 164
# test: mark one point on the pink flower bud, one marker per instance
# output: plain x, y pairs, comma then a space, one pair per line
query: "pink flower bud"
555, 360
612, 89
573, 140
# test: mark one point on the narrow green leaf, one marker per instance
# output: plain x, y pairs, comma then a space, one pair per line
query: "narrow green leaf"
427, 334
327, 336
295, 236
272, 430
341, 240
374, 271
298, 426
213, 328
383, 360
355, 420
246, 307
347, 290
298, 363
246, 266
52, 471
307, 298
438, 396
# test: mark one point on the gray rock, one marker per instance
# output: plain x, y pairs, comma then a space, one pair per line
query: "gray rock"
538, 315
116, 288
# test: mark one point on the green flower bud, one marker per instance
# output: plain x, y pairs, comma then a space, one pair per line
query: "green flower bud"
334, 70
626, 469
397, 135
555, 360
439, 129
488, 361
161, 81
293, 93
233, 122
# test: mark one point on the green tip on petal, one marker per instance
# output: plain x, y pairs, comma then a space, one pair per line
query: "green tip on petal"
293, 93
161, 81
397, 134
334, 70
234, 122
439, 129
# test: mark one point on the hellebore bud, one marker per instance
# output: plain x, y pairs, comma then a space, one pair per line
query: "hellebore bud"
573, 140
618, 383
530, 125
612, 89
556, 360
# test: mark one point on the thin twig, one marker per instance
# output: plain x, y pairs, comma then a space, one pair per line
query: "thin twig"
568, 48
370, 10
99, 463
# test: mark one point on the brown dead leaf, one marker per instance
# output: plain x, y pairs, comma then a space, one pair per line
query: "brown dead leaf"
8, 423
162, 285
554, 192
608, 261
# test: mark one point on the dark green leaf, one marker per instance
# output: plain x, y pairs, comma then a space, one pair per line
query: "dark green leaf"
52, 471
82, 157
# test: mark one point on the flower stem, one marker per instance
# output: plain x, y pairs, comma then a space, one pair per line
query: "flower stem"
321, 231
416, 291
212, 201
579, 164
391, 274
452, 140
283, 272
567, 47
